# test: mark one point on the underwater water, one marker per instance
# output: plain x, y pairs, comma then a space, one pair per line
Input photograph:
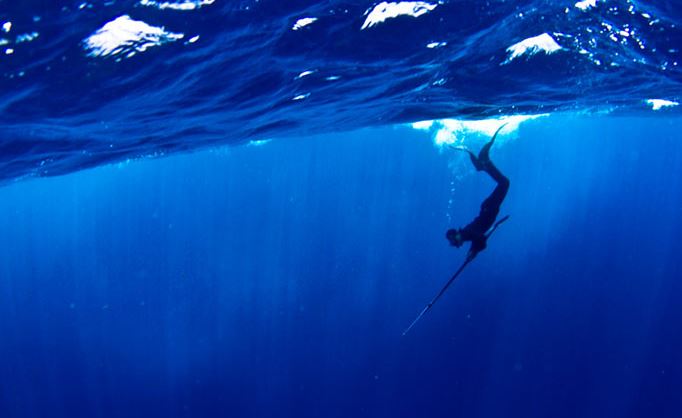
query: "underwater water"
276, 280
87, 82
215, 208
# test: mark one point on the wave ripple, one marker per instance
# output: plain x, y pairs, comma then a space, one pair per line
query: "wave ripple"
99, 81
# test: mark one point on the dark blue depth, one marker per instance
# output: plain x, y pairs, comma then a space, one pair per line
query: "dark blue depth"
275, 280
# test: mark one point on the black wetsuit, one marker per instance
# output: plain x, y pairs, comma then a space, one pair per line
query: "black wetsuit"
476, 230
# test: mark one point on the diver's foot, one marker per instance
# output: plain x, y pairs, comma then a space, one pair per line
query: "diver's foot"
479, 165
474, 160
484, 154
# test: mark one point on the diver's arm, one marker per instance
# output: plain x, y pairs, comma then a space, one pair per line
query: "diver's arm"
478, 244
471, 254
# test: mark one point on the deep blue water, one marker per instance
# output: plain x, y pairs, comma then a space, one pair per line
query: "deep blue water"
276, 280
215, 208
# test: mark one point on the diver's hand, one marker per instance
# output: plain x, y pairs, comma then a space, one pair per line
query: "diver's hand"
471, 255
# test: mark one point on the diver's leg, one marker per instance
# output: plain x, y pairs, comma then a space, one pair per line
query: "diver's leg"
491, 205
472, 156
496, 174
483, 161
476, 162
484, 155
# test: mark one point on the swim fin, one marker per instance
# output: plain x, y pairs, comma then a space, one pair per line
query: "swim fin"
484, 155
475, 161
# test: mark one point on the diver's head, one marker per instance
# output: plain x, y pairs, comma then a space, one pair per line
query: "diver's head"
455, 237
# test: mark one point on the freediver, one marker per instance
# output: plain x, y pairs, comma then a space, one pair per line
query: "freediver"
477, 230
480, 229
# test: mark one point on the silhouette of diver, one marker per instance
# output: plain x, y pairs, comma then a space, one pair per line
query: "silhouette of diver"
477, 229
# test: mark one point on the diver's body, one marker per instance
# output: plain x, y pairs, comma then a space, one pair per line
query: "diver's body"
477, 229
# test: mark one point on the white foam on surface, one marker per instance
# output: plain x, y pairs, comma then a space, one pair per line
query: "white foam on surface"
454, 131
531, 46
180, 5
384, 11
436, 45
305, 74
27, 37
124, 35
301, 97
586, 4
658, 104
423, 125
301, 23
258, 142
